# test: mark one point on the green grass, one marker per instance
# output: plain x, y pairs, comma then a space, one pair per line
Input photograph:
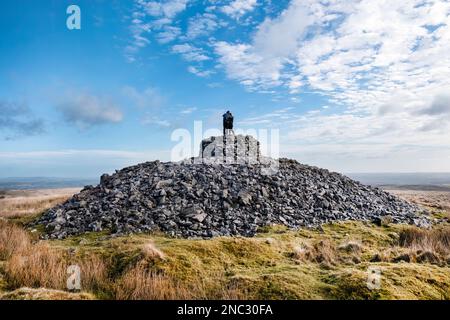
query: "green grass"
275, 264
266, 267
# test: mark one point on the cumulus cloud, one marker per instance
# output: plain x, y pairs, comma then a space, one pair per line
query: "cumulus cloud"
260, 63
238, 8
440, 106
242, 64
17, 120
85, 110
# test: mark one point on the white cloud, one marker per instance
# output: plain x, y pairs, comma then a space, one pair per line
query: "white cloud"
168, 34
163, 9
248, 67
260, 63
238, 8
188, 110
189, 52
356, 55
85, 110
381, 68
202, 25
161, 15
139, 30
200, 73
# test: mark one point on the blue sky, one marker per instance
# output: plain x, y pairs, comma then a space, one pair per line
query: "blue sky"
353, 86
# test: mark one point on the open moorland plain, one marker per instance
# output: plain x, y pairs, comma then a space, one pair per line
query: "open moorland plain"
334, 261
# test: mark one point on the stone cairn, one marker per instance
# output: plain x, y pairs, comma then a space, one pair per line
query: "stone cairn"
224, 191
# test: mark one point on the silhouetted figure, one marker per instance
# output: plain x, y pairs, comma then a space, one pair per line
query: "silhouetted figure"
227, 122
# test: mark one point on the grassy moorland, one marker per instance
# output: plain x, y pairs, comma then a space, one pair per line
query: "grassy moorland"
327, 263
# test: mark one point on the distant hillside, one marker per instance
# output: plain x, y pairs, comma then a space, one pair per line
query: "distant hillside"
20, 183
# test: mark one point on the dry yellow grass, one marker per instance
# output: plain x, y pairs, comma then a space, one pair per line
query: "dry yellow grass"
279, 265
23, 206
437, 202
323, 251
427, 245
43, 266
151, 251
139, 283
12, 239
94, 273
38, 266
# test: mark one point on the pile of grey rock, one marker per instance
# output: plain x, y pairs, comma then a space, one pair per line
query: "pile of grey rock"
190, 199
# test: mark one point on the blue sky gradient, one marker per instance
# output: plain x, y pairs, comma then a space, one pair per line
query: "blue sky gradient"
353, 87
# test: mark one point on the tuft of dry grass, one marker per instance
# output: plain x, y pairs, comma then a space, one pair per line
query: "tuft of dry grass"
151, 251
420, 240
323, 251
94, 273
12, 239
37, 266
139, 283
351, 246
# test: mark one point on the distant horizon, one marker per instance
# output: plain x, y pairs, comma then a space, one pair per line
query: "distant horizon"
95, 177
372, 178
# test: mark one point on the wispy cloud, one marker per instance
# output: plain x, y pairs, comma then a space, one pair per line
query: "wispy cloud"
168, 34
200, 73
189, 52
17, 120
156, 17
139, 36
188, 110
203, 25
151, 119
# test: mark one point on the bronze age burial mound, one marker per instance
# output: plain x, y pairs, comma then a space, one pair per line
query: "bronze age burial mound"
191, 199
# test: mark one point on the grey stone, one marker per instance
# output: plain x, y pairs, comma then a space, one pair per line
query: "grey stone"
202, 200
